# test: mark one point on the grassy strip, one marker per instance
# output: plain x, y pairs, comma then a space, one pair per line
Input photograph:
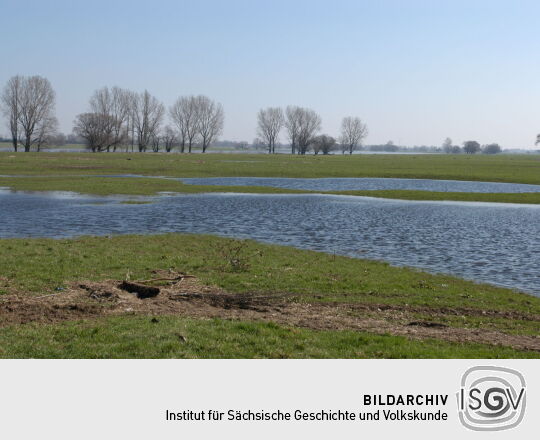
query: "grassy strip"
498, 168
481, 323
171, 337
43, 265
104, 186
146, 186
523, 198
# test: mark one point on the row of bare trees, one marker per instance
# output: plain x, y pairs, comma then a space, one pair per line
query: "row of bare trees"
198, 120
28, 103
302, 126
119, 118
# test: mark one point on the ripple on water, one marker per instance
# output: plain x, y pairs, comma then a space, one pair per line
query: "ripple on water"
351, 184
494, 243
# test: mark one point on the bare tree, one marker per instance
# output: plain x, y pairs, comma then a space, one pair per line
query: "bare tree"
156, 142
130, 100
10, 107
209, 120
184, 114
147, 116
309, 123
35, 100
96, 129
115, 106
169, 138
292, 114
323, 144
108, 123
270, 122
45, 132
353, 132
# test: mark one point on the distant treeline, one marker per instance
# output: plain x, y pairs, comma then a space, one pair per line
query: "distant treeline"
123, 120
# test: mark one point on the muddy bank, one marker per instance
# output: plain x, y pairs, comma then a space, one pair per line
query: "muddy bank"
176, 294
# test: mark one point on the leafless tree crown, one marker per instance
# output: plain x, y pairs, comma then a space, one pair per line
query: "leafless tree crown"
147, 117
210, 120
28, 104
116, 112
353, 132
184, 114
169, 138
323, 144
302, 125
269, 123
107, 124
10, 107
309, 123
292, 125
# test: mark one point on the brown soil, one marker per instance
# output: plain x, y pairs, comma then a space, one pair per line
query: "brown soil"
186, 296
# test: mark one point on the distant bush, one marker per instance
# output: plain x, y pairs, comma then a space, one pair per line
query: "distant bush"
471, 147
491, 149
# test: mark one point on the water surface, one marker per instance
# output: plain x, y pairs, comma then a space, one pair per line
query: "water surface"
368, 183
489, 242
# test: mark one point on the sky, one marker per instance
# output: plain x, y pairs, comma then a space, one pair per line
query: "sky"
415, 71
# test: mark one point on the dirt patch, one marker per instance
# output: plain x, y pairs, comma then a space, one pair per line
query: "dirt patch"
142, 291
435, 312
428, 324
186, 296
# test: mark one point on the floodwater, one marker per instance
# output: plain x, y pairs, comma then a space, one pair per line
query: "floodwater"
350, 184
334, 184
489, 242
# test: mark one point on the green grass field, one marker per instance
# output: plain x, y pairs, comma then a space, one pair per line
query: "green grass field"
171, 337
40, 266
74, 171
497, 168
37, 267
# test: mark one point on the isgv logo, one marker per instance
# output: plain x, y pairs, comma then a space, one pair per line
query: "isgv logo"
491, 398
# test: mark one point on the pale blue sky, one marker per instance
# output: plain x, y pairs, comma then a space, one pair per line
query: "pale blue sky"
416, 71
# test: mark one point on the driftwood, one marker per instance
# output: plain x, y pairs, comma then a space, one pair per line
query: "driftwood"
140, 290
